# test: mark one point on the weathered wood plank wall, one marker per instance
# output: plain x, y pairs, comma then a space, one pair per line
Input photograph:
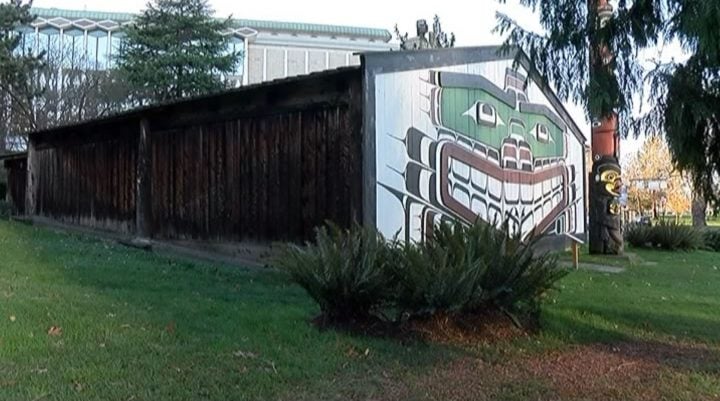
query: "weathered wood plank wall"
266, 163
17, 183
90, 184
267, 177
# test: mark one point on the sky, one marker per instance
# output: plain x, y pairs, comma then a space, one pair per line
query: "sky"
471, 21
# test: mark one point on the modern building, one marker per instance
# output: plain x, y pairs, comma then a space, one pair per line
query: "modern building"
89, 39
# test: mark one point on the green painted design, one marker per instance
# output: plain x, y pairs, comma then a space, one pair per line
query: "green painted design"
458, 112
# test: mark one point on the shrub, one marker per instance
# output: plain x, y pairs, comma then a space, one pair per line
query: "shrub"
666, 235
639, 235
473, 269
672, 236
712, 239
343, 271
460, 270
440, 275
515, 276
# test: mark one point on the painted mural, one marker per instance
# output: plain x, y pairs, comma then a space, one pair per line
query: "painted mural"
473, 148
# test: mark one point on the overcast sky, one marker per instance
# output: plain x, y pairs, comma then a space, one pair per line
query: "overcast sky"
471, 21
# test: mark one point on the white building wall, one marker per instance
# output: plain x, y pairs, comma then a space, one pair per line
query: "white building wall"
411, 199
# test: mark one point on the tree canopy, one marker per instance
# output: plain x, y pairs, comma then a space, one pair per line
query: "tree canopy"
17, 69
684, 97
653, 163
175, 49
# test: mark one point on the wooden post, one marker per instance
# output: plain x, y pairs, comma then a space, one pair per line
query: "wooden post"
143, 206
576, 255
31, 183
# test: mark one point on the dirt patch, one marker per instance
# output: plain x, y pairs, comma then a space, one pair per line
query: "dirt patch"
487, 328
601, 372
625, 371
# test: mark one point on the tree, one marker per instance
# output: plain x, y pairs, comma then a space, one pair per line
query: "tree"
684, 97
17, 68
653, 162
76, 93
176, 49
60, 92
436, 39
588, 52
576, 34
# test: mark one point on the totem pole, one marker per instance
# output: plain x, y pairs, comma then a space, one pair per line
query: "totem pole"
605, 230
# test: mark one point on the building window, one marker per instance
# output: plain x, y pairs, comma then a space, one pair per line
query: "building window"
27, 41
96, 49
73, 52
237, 45
117, 40
49, 43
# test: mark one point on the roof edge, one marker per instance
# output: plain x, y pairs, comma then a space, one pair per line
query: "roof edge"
396, 61
139, 111
280, 26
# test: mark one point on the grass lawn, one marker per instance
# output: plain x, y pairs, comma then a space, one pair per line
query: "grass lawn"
82, 319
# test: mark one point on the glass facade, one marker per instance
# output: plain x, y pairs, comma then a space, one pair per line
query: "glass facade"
72, 48
237, 45
95, 49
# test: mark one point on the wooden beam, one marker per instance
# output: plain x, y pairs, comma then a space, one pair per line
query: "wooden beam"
143, 205
31, 185
576, 255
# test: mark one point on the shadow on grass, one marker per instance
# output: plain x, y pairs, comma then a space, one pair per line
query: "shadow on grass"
217, 302
674, 350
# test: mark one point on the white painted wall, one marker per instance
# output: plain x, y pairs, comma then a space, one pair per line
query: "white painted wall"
402, 103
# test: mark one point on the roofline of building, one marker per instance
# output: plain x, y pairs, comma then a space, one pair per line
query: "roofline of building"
389, 61
374, 63
264, 25
13, 156
139, 112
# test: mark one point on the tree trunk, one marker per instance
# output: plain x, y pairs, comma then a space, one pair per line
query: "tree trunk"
698, 210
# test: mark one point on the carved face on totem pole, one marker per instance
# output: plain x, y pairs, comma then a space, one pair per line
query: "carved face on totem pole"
606, 186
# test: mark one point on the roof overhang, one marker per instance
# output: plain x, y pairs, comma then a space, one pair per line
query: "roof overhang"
395, 61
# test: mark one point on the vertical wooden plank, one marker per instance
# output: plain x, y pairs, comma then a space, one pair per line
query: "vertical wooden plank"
204, 184
258, 172
321, 120
244, 177
143, 209
209, 169
186, 185
297, 187
285, 136
333, 174
309, 172
272, 207
227, 204
222, 218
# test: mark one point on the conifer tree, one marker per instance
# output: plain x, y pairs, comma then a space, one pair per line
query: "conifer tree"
684, 97
176, 49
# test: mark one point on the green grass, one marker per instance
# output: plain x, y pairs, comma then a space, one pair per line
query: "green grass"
143, 327
712, 221
674, 296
